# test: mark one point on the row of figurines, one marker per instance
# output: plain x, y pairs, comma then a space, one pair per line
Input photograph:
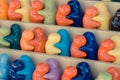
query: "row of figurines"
60, 43
24, 69
70, 14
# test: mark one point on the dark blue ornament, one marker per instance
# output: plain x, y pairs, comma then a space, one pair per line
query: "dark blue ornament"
76, 13
91, 46
65, 43
14, 37
115, 25
16, 66
84, 72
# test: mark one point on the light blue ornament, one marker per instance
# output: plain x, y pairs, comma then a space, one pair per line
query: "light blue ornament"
65, 43
4, 66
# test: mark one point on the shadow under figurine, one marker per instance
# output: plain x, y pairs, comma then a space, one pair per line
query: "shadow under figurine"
4, 66
91, 47
76, 13
14, 37
115, 25
84, 72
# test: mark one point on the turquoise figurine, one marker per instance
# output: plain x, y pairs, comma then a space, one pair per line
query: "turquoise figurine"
4, 66
76, 13
14, 37
65, 42
84, 72
115, 24
16, 66
91, 47
28, 69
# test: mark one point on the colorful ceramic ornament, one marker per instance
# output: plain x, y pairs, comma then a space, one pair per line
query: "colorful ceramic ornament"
14, 5
35, 7
116, 51
104, 76
103, 17
53, 38
76, 13
105, 46
78, 41
69, 73
29, 67
55, 70
27, 35
84, 72
115, 72
115, 24
39, 40
16, 66
4, 31
3, 10
61, 15
14, 37
91, 47
24, 10
64, 43
49, 11
4, 66
41, 69
88, 21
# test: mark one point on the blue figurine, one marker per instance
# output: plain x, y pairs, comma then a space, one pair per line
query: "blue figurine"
84, 72
4, 66
76, 13
65, 43
29, 67
16, 66
14, 37
91, 46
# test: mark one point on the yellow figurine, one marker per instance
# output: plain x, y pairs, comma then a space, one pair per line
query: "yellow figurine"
24, 10
53, 38
116, 51
103, 17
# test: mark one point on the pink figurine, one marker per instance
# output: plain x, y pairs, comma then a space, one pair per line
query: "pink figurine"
78, 42
27, 35
14, 5
115, 72
61, 14
69, 73
41, 69
88, 21
35, 7
39, 41
106, 46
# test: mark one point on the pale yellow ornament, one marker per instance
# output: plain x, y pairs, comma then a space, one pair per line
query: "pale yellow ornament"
53, 38
103, 17
116, 51
24, 10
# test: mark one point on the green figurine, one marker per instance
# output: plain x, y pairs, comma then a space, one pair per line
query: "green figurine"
104, 76
4, 31
49, 12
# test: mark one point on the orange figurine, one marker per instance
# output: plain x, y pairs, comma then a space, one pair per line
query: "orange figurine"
61, 14
69, 73
27, 35
106, 46
41, 69
88, 21
115, 72
3, 10
39, 41
14, 5
78, 42
35, 7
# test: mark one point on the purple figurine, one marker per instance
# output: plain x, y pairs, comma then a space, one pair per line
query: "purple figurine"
55, 71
